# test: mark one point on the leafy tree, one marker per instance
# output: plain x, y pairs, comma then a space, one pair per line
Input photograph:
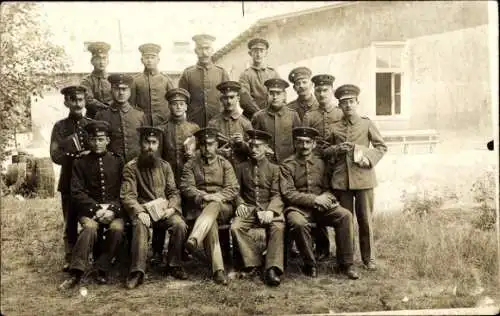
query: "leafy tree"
29, 62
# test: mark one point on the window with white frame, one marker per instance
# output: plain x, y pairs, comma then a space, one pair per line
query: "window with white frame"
388, 78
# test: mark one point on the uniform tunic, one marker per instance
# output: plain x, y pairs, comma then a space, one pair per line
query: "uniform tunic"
303, 106
323, 120
253, 92
279, 125
149, 88
124, 136
229, 125
175, 132
201, 82
98, 95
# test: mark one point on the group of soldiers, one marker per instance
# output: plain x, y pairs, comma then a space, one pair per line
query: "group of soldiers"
213, 152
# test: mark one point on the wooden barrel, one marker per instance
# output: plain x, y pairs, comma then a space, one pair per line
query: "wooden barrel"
43, 178
14, 172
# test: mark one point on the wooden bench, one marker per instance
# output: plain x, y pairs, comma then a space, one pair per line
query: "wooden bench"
407, 138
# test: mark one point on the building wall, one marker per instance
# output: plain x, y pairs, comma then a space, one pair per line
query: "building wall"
445, 81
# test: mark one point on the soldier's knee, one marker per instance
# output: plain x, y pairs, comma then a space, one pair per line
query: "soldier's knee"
236, 226
277, 226
344, 213
178, 224
296, 221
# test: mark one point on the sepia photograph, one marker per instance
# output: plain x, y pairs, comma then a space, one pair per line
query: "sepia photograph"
249, 158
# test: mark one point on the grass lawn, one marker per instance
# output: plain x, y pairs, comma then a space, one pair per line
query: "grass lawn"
436, 261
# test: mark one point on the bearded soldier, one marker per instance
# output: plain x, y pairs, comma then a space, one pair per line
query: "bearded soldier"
149, 178
68, 142
300, 77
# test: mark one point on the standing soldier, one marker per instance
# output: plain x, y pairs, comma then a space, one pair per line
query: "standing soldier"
328, 113
67, 142
354, 161
300, 77
260, 205
175, 132
254, 93
209, 186
149, 178
123, 118
277, 119
95, 189
305, 189
231, 123
98, 87
201, 81
149, 87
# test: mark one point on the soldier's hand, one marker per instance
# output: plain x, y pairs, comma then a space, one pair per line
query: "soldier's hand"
346, 146
267, 217
100, 213
144, 217
108, 217
168, 212
237, 137
260, 216
242, 210
364, 163
323, 201
224, 151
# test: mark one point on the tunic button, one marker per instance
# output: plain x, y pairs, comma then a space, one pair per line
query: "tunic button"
103, 187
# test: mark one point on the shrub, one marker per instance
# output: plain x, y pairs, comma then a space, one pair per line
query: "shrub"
483, 190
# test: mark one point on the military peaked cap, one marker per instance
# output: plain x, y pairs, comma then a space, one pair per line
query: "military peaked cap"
276, 83
177, 94
72, 90
258, 42
347, 91
255, 134
117, 79
95, 127
206, 134
322, 80
203, 39
299, 73
98, 48
227, 86
146, 131
150, 48
305, 132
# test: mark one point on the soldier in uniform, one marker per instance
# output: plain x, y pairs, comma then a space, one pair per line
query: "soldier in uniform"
253, 91
231, 123
277, 119
324, 117
209, 186
175, 132
201, 81
123, 118
98, 87
149, 87
68, 142
305, 190
148, 178
300, 77
95, 189
353, 166
259, 205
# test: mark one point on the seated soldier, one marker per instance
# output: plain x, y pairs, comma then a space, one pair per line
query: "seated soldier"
259, 205
95, 189
148, 180
209, 186
304, 185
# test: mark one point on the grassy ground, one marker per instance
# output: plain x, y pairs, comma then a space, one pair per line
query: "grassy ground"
436, 262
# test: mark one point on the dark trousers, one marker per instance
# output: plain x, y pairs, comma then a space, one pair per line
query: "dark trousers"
140, 241
88, 238
249, 249
360, 202
70, 235
300, 221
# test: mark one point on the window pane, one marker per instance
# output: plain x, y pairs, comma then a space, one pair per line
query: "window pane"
383, 93
397, 103
396, 53
383, 57
397, 83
